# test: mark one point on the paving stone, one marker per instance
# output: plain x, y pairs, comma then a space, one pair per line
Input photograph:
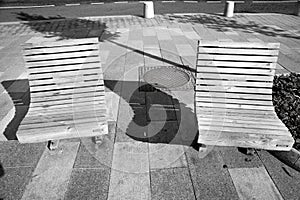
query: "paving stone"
166, 156
179, 40
130, 172
149, 32
14, 154
185, 50
129, 186
174, 183
168, 47
91, 155
112, 102
135, 34
150, 41
125, 117
163, 34
52, 173
254, 183
160, 107
13, 182
137, 127
88, 184
210, 179
165, 132
286, 179
134, 60
135, 45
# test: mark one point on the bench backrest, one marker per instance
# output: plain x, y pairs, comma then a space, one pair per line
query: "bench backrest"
235, 75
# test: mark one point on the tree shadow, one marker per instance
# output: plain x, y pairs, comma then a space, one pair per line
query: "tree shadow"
221, 24
19, 92
158, 116
66, 28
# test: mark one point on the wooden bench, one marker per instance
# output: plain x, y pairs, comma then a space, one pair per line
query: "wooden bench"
233, 96
66, 89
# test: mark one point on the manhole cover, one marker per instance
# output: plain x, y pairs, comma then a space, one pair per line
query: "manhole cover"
166, 77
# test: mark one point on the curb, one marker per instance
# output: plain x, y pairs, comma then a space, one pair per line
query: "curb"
290, 158
162, 1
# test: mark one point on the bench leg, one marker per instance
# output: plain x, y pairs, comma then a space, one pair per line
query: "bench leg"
204, 150
99, 139
52, 144
247, 151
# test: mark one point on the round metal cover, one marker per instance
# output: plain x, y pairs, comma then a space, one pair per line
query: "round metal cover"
166, 77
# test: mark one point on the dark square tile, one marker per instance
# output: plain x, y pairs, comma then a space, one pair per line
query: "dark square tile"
210, 179
14, 181
91, 155
174, 183
88, 184
14, 154
286, 179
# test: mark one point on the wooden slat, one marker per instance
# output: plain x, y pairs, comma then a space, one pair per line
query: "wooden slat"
55, 56
233, 70
233, 95
240, 124
240, 51
281, 142
234, 82
51, 44
236, 57
62, 49
233, 101
98, 116
239, 119
244, 45
63, 71
231, 105
68, 106
58, 80
60, 132
76, 90
63, 62
65, 86
235, 76
237, 64
73, 101
242, 130
68, 110
263, 114
73, 96
244, 90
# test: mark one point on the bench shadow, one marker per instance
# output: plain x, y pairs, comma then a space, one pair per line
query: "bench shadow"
178, 126
19, 92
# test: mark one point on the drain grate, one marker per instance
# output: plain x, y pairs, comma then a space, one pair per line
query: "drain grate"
165, 78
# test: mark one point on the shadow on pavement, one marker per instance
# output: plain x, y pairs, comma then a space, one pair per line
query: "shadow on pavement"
66, 28
163, 119
221, 24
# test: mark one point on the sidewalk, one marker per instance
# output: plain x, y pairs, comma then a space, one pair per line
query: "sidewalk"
150, 152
